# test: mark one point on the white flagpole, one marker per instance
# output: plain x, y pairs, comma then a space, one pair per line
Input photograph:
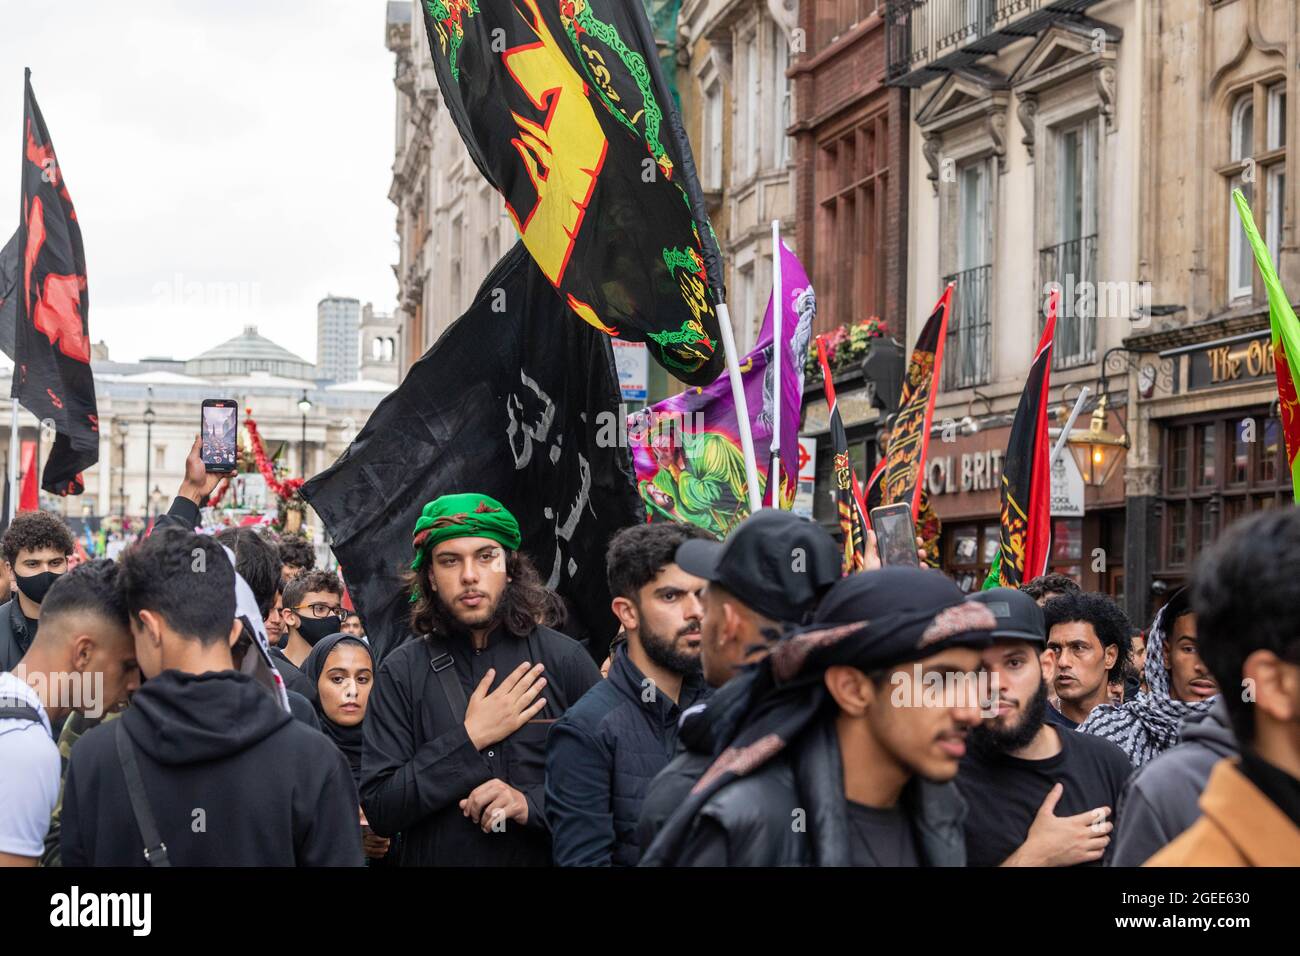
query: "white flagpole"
13, 463
742, 407
1084, 392
778, 307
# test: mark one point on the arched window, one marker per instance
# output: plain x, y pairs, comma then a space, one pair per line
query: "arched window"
1257, 153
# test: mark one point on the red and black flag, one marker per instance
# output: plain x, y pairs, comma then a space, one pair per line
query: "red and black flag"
909, 436
52, 377
1027, 475
563, 106
848, 494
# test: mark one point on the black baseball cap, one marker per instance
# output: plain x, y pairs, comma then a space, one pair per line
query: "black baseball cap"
777, 563
1019, 616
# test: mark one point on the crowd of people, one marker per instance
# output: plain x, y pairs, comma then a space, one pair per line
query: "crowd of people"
213, 700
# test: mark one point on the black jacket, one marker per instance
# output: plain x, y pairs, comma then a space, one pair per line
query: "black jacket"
232, 779
668, 791
751, 822
418, 763
600, 760
15, 637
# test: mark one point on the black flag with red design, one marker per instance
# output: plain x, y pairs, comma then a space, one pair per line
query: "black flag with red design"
52, 377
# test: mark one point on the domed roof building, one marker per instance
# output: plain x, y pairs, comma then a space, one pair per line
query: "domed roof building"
249, 353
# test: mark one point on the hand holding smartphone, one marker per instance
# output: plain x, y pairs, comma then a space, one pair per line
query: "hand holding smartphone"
895, 535
218, 427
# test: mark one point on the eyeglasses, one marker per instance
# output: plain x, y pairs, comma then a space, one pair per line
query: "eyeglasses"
320, 610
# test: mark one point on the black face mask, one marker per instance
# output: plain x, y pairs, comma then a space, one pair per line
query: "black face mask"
314, 629
36, 586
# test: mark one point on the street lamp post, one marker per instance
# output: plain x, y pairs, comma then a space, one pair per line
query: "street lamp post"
121, 427
304, 406
148, 450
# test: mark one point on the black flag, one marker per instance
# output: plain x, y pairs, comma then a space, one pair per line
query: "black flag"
513, 401
52, 377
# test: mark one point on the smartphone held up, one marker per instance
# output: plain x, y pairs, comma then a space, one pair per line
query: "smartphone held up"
218, 428
895, 535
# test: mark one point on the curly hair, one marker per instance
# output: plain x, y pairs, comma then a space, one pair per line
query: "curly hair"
297, 552
525, 603
298, 588
1109, 623
637, 554
1049, 584
34, 530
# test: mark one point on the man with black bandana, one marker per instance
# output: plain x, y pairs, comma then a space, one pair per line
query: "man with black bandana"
1039, 794
36, 546
839, 747
604, 752
454, 741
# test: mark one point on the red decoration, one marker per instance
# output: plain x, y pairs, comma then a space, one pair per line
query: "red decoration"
282, 489
219, 492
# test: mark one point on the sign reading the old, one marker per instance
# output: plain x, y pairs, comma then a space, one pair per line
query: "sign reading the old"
1229, 362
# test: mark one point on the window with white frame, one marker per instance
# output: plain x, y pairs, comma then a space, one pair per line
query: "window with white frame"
743, 319
749, 99
782, 99
1069, 261
712, 134
967, 358
1257, 166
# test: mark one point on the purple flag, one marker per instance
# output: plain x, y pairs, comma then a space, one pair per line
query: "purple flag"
686, 449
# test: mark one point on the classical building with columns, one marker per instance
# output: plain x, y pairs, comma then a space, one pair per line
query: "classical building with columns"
142, 457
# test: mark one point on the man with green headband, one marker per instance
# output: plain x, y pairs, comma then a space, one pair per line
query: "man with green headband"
454, 748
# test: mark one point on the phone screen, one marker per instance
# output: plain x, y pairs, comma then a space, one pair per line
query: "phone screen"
219, 436
895, 537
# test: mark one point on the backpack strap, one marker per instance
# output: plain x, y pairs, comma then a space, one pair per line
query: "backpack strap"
12, 711
155, 850
451, 686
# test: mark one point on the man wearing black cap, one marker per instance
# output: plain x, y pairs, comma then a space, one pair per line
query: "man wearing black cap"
839, 747
770, 572
603, 753
1039, 795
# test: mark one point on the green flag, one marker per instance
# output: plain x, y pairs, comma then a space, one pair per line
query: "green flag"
1286, 339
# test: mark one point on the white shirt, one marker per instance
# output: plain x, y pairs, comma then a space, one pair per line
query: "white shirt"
29, 783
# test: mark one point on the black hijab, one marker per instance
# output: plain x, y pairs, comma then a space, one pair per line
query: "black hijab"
347, 739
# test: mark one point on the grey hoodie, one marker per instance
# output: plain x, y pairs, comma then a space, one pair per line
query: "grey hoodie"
1160, 801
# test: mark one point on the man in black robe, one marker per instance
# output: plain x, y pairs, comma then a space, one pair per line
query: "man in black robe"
454, 745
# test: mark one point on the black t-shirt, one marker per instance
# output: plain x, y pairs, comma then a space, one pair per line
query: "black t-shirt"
1058, 719
880, 837
1004, 792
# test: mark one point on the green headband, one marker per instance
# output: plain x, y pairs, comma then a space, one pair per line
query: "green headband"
463, 516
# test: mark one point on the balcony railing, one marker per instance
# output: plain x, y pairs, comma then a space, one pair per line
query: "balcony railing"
966, 353
927, 37
1070, 265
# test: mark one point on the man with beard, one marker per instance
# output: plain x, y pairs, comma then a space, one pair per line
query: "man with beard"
604, 752
767, 575
1039, 795
840, 746
454, 740
1088, 636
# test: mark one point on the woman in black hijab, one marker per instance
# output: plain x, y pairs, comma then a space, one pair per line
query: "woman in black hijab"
341, 669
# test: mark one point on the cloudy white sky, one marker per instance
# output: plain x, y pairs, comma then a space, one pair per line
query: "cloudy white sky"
229, 161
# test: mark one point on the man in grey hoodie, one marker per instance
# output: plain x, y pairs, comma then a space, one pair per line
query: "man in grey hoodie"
1160, 801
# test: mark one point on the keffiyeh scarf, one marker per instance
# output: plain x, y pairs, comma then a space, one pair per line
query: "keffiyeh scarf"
1150, 724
